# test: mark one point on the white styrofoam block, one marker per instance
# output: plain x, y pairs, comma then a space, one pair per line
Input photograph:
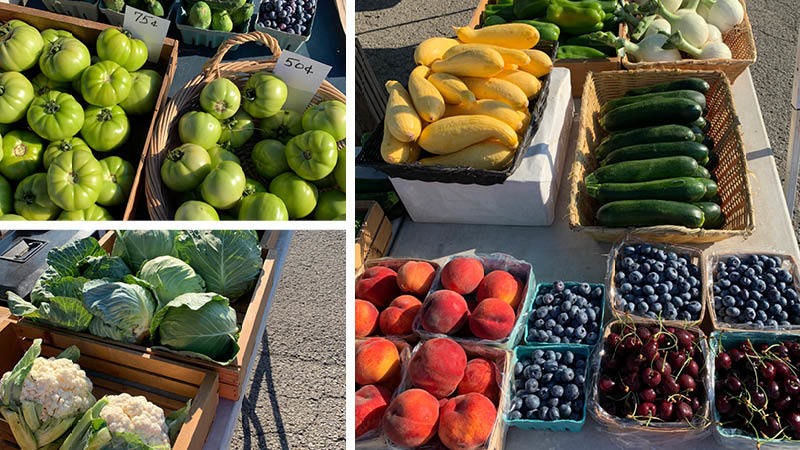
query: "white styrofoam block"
527, 197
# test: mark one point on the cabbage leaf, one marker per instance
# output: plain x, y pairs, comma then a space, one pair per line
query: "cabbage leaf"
122, 311
137, 246
170, 277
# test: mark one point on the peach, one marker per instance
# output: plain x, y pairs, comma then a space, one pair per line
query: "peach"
462, 275
492, 319
377, 362
378, 285
444, 312
371, 402
438, 366
466, 421
366, 318
501, 284
480, 376
411, 418
415, 277
399, 317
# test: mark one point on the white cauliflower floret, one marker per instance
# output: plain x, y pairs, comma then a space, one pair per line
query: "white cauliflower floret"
60, 386
125, 413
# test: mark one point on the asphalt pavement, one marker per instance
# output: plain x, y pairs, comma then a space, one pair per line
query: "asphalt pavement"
296, 398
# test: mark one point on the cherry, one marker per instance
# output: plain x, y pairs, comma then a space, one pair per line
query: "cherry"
665, 410
692, 368
650, 350
661, 365
781, 369
647, 395
781, 350
733, 384
723, 405
773, 426
758, 399
723, 361
687, 382
683, 411
613, 340
606, 384
685, 339
773, 390
646, 409
767, 371
695, 404
736, 355
669, 386
634, 361
643, 333
631, 343
610, 364
676, 359
792, 385
782, 403
651, 377
794, 421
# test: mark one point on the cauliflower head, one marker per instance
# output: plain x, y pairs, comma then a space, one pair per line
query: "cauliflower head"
126, 413
60, 386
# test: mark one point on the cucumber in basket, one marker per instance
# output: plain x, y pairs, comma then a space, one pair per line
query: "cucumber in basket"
714, 218
695, 84
681, 189
644, 170
661, 133
711, 188
698, 97
643, 213
701, 172
658, 150
658, 111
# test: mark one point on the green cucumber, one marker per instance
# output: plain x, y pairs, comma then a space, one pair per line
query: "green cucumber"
658, 111
682, 189
661, 133
698, 134
711, 188
657, 150
644, 170
685, 93
695, 84
708, 141
714, 218
701, 172
645, 213
702, 124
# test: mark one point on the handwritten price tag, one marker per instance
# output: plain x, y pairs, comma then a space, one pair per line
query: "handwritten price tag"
147, 27
303, 76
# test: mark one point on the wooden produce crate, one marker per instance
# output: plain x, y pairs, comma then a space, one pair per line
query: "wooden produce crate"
249, 315
87, 32
113, 370
578, 68
726, 131
372, 241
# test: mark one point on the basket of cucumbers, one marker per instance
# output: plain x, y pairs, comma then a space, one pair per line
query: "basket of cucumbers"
660, 154
209, 23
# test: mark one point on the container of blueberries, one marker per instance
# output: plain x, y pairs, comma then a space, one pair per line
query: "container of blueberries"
565, 313
288, 21
657, 282
548, 387
753, 292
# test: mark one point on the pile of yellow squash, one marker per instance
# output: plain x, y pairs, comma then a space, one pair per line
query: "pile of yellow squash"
467, 99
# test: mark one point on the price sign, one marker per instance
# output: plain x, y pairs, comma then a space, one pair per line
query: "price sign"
147, 27
303, 76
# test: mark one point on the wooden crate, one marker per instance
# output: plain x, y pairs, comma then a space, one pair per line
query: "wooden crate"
87, 31
578, 68
376, 232
168, 384
249, 316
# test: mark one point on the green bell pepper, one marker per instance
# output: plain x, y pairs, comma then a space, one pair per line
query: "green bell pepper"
599, 40
547, 31
530, 9
493, 20
576, 17
578, 52
504, 11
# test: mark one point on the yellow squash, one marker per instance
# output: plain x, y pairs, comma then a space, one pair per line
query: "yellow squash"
540, 64
529, 84
510, 35
427, 99
489, 154
491, 108
396, 152
475, 62
497, 89
452, 134
401, 117
510, 55
432, 49
452, 88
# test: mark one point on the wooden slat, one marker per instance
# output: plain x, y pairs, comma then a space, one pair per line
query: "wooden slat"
381, 242
195, 430
166, 403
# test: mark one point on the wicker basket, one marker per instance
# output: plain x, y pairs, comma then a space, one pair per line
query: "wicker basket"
731, 173
739, 40
161, 203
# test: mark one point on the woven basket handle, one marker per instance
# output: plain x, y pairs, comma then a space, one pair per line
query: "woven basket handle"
211, 67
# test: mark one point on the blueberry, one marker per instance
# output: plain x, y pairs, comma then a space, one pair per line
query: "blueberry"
642, 307
543, 412
571, 391
549, 355
515, 415
568, 357
567, 375
558, 286
553, 402
553, 414
532, 401
564, 410
732, 312
728, 301
518, 368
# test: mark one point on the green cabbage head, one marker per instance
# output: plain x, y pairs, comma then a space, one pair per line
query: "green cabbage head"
170, 277
122, 310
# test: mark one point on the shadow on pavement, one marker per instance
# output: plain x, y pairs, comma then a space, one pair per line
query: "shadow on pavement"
375, 5
391, 62
249, 415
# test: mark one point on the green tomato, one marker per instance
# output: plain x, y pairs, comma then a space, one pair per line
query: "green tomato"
92, 213
312, 155
224, 185
56, 148
55, 116
20, 48
64, 59
185, 167
262, 206
237, 130
219, 153
199, 128
22, 154
328, 182
269, 157
196, 210
105, 129
16, 94
118, 177
51, 35
105, 83
251, 186
6, 197
331, 206
32, 201
144, 93
340, 171
42, 85
282, 126
74, 180
329, 116
11, 217
264, 95
299, 196
220, 98
118, 46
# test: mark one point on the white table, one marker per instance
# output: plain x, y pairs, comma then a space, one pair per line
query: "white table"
219, 437
556, 252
